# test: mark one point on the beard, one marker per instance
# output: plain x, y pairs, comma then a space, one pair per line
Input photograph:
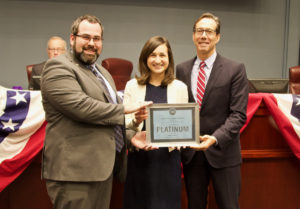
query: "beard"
87, 59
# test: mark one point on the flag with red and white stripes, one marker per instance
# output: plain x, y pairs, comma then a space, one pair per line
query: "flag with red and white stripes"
285, 110
22, 131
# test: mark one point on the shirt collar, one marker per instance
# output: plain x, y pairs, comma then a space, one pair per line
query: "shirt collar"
92, 66
209, 61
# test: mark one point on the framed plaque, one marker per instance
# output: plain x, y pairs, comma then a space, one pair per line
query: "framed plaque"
170, 125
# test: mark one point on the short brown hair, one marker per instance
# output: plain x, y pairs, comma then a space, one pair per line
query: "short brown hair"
89, 18
144, 70
210, 16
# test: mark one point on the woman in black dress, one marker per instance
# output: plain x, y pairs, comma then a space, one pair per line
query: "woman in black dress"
153, 177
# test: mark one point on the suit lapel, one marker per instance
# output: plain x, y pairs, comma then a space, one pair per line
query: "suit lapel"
110, 80
107, 76
187, 73
82, 68
217, 67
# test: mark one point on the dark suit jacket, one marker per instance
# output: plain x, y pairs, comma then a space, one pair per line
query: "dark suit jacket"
37, 70
79, 143
223, 110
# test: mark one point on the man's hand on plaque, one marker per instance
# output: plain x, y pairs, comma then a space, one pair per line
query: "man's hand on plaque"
205, 142
136, 107
139, 141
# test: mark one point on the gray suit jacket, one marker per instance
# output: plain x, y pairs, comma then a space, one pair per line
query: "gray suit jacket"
223, 110
37, 70
79, 143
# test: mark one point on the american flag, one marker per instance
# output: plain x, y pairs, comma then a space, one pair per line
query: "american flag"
285, 110
22, 131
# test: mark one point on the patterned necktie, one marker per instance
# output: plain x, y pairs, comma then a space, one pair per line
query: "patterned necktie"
201, 84
118, 129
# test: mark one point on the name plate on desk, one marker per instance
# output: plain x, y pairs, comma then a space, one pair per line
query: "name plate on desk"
171, 125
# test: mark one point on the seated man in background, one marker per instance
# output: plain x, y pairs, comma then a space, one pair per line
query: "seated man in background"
56, 46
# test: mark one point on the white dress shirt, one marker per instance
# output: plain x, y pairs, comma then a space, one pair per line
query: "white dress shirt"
110, 89
209, 62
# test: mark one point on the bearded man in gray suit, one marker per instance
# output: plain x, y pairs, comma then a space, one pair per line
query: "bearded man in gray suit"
85, 137
223, 101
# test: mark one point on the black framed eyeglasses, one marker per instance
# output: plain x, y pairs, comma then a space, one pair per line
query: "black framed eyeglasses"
87, 38
201, 31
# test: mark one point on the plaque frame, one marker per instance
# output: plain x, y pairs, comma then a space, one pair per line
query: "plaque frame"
157, 113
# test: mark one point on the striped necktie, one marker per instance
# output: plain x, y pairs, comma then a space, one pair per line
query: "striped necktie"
118, 129
201, 84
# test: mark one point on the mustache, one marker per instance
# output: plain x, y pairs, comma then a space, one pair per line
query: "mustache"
89, 48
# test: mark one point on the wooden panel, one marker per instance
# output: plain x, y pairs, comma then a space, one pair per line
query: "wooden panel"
270, 183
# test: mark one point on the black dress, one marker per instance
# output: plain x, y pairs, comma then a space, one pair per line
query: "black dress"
154, 177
